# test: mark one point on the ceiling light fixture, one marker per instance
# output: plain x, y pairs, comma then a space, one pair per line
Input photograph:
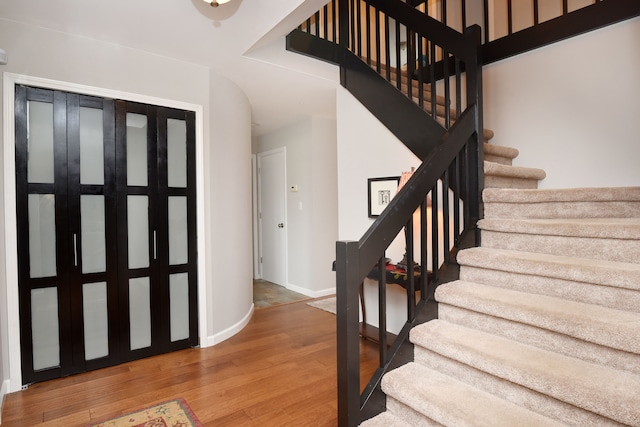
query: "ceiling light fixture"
216, 3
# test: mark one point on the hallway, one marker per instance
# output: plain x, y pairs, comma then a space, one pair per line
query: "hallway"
280, 370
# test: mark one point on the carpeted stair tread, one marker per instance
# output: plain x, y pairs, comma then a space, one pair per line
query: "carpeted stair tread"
601, 272
500, 175
499, 154
597, 228
604, 326
591, 194
598, 389
385, 419
562, 203
612, 239
501, 150
450, 402
496, 169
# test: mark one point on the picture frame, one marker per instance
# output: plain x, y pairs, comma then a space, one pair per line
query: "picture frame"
380, 193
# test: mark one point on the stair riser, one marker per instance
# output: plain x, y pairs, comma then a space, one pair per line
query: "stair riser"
562, 210
498, 159
511, 392
541, 338
491, 181
606, 249
592, 293
409, 415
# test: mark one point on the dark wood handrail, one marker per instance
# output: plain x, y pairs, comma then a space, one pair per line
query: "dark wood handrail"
391, 221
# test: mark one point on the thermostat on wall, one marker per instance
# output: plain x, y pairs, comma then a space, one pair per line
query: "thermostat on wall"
3, 57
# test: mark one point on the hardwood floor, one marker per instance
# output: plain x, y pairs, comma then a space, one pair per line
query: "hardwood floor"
280, 370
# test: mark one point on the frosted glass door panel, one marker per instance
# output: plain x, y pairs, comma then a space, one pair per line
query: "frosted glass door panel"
138, 222
92, 214
44, 328
42, 235
40, 140
91, 146
136, 149
178, 236
96, 327
177, 153
179, 306
140, 313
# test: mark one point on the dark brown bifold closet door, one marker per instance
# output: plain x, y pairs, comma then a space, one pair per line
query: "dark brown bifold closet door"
74, 221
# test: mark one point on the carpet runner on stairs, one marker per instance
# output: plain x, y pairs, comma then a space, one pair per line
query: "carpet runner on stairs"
543, 327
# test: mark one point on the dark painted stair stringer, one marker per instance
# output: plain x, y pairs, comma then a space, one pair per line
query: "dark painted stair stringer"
413, 126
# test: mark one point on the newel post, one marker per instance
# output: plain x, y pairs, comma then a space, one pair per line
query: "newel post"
347, 333
473, 35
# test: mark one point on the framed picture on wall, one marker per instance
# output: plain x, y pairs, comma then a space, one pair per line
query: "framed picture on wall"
381, 191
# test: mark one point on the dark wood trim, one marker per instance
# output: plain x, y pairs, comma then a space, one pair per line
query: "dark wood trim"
409, 123
307, 44
589, 18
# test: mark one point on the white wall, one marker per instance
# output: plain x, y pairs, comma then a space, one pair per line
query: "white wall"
228, 155
366, 149
224, 134
312, 210
572, 108
324, 215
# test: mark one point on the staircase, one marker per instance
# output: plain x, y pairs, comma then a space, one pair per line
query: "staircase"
543, 326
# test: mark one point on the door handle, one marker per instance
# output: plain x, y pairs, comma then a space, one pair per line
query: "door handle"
281, 225
75, 249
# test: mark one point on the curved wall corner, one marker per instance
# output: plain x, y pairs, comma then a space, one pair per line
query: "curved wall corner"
229, 221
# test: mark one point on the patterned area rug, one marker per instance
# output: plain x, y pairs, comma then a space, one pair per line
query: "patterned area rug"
327, 304
174, 413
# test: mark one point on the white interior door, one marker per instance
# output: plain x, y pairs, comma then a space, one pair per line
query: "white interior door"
272, 216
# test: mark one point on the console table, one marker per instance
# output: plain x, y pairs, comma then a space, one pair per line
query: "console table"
393, 275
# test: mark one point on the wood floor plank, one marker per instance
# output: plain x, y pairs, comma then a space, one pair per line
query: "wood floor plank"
280, 370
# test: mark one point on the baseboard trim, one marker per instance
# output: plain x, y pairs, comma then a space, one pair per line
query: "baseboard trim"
3, 392
231, 330
312, 294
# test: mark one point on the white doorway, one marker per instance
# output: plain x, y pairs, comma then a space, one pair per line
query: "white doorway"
272, 221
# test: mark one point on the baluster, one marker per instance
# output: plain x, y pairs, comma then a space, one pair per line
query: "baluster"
463, 6
423, 251
378, 65
509, 17
368, 28
382, 310
435, 263
432, 78
486, 21
446, 217
398, 58
411, 286
387, 49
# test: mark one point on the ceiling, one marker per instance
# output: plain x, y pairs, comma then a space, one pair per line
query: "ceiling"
242, 40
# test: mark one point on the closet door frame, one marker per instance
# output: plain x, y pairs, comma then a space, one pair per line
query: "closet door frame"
10, 80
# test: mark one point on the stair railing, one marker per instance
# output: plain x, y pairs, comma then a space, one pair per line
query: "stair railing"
439, 70
391, 40
510, 27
